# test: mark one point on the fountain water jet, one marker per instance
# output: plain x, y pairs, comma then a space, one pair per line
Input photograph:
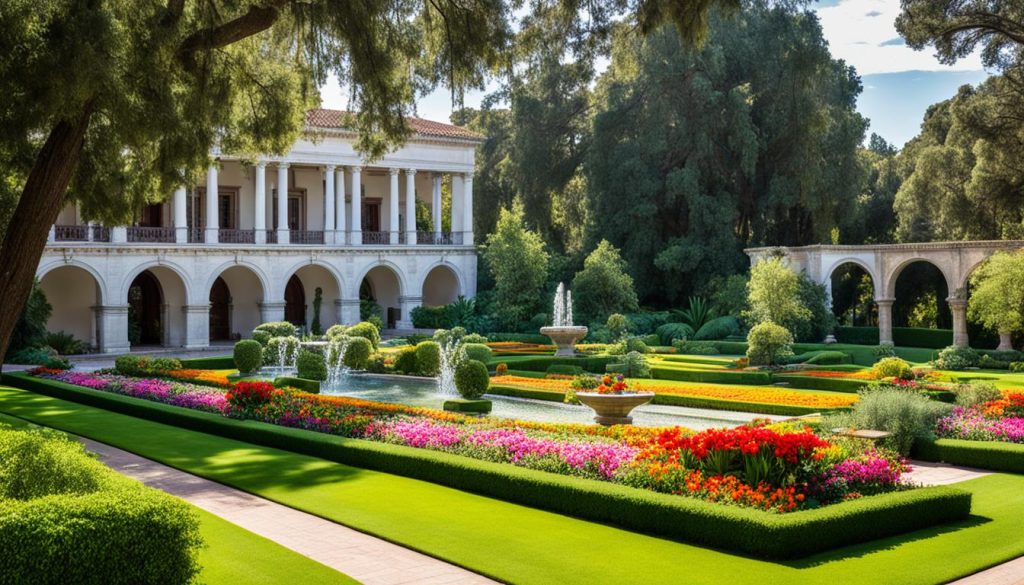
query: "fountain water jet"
562, 332
451, 355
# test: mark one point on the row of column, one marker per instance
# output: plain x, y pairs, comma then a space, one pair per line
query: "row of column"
334, 206
957, 306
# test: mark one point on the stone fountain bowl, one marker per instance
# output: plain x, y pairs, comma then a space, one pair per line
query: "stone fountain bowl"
565, 338
614, 409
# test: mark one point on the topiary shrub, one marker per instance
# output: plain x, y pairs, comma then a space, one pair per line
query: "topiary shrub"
617, 325
477, 351
367, 331
140, 365
428, 358
278, 329
957, 358
694, 347
892, 367
248, 356
628, 345
768, 343
261, 337
718, 328
884, 350
904, 413
335, 332
377, 364
474, 338
272, 352
670, 332
311, 365
633, 365
472, 379
358, 353
405, 361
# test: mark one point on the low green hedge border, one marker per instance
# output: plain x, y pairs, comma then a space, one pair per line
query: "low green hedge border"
468, 406
311, 386
721, 526
224, 362
116, 532
829, 384
709, 376
671, 400
593, 364
994, 455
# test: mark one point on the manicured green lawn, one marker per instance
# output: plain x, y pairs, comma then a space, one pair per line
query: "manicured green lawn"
523, 545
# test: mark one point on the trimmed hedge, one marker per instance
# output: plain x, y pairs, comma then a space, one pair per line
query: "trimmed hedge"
519, 338
311, 386
732, 528
225, 362
709, 376
472, 379
592, 364
994, 455
468, 406
901, 336
110, 530
812, 383
248, 355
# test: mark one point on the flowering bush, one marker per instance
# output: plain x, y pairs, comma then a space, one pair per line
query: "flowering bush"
501, 369
613, 384
995, 420
249, 394
168, 392
217, 378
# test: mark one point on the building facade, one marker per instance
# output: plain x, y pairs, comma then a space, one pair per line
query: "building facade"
309, 236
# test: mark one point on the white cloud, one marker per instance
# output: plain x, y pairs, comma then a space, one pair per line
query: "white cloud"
862, 33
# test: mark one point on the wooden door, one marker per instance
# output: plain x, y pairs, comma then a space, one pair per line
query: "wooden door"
295, 302
145, 299
371, 216
220, 311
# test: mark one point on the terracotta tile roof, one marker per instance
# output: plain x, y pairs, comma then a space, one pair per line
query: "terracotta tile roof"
323, 118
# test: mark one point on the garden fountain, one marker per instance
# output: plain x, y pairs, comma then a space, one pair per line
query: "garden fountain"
450, 354
334, 357
562, 332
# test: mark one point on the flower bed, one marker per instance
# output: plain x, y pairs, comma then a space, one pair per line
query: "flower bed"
996, 420
182, 394
517, 348
217, 378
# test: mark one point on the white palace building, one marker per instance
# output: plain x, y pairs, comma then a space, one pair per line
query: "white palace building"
198, 269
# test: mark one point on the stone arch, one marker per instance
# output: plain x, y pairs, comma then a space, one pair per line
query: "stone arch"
72, 290
905, 303
174, 295
403, 283
442, 284
894, 274
866, 267
383, 282
165, 268
848, 307
314, 275
247, 286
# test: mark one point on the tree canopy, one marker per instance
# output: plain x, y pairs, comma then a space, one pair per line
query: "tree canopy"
519, 265
774, 293
603, 286
997, 293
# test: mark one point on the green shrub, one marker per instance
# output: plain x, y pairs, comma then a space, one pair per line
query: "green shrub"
957, 358
445, 336
886, 350
1017, 367
892, 367
477, 351
303, 384
424, 317
828, 384
628, 345
593, 364
990, 363
467, 406
141, 365
261, 337
277, 345
710, 376
519, 337
32, 356
415, 338
248, 356
474, 338
58, 363
993, 455
767, 343
210, 363
64, 343
311, 365
66, 518
905, 414
335, 332
670, 332
405, 361
694, 347
428, 358
633, 365
377, 364
1002, 355
617, 324
829, 358
367, 331
566, 370
358, 352
970, 394
472, 379
718, 328
278, 329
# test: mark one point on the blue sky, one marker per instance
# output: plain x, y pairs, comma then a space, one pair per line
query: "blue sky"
899, 83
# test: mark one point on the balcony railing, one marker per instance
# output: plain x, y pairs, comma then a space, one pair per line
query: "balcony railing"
150, 235
439, 238
71, 233
237, 236
100, 233
196, 235
306, 237
376, 238
271, 237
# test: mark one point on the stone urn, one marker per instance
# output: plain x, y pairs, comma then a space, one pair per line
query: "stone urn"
614, 409
565, 338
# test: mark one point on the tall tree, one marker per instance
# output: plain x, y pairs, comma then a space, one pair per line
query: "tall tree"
519, 265
122, 100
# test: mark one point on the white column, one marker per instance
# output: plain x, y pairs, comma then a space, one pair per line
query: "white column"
435, 206
180, 216
197, 326
456, 203
329, 205
406, 305
410, 207
393, 207
259, 221
112, 328
356, 238
118, 234
282, 203
340, 229
89, 225
467, 209
958, 306
349, 311
271, 312
884, 321
212, 231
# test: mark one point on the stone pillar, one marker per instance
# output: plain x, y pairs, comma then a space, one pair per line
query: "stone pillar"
406, 305
259, 221
197, 326
340, 229
348, 311
467, 209
435, 206
356, 237
393, 226
180, 216
456, 210
112, 328
339, 311
884, 320
282, 203
410, 207
1005, 341
958, 306
89, 225
211, 234
119, 234
271, 312
329, 205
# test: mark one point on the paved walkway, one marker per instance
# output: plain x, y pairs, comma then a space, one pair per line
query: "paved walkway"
928, 473
370, 560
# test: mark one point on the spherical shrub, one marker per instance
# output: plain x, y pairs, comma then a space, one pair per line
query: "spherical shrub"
272, 353
477, 351
358, 352
261, 337
957, 358
311, 365
767, 343
377, 364
248, 355
892, 367
278, 329
472, 379
617, 324
367, 331
474, 338
405, 361
428, 358
335, 332
502, 369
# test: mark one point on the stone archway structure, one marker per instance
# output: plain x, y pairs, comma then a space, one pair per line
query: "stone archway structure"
885, 262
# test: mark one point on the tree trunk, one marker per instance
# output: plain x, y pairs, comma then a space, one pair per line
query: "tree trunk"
41, 200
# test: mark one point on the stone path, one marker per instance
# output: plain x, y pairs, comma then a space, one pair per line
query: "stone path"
928, 473
369, 560
1011, 573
